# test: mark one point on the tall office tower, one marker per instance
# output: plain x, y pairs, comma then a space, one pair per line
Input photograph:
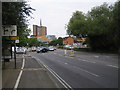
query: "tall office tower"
35, 29
39, 30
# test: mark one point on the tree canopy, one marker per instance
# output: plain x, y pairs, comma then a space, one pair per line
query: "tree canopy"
17, 13
101, 25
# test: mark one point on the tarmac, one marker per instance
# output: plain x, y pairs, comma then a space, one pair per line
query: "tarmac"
27, 74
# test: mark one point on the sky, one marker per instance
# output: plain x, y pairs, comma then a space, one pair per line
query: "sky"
55, 14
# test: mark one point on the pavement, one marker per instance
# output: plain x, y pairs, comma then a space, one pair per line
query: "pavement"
28, 74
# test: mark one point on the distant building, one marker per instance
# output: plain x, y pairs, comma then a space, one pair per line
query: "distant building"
39, 30
75, 42
68, 41
46, 39
51, 37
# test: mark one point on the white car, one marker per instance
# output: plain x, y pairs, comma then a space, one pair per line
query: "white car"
51, 48
21, 50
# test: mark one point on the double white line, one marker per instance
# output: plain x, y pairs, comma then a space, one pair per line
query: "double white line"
68, 87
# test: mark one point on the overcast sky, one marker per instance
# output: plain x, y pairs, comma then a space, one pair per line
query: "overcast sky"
55, 14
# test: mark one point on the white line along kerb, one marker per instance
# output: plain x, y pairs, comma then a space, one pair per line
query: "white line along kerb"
56, 75
20, 74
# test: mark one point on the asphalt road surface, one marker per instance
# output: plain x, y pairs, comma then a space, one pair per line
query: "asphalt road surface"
83, 70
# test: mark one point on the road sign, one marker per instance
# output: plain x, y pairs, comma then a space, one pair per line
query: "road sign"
10, 30
14, 38
17, 41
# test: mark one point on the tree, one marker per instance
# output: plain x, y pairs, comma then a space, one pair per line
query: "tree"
101, 25
115, 26
16, 13
98, 27
76, 25
59, 41
33, 42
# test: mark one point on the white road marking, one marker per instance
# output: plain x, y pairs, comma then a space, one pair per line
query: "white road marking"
20, 74
113, 66
96, 56
87, 71
87, 61
66, 63
67, 86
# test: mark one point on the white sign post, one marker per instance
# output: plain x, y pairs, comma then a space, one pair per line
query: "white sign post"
9, 30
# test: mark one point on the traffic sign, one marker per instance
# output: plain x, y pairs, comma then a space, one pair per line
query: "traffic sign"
10, 30
14, 38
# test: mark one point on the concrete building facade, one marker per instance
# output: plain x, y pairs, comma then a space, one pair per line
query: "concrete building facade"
39, 30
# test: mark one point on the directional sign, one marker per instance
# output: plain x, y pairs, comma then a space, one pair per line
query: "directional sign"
17, 41
14, 38
10, 30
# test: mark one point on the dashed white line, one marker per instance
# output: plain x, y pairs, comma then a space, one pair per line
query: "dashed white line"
20, 74
96, 56
87, 71
112, 66
87, 61
66, 63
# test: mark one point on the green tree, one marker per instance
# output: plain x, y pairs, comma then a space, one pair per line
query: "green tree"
100, 25
76, 25
115, 26
99, 20
17, 13
33, 42
59, 41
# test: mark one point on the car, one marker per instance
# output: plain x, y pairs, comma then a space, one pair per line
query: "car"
33, 48
20, 50
69, 47
41, 49
51, 48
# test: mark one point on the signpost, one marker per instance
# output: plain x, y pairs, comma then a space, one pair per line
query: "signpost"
11, 31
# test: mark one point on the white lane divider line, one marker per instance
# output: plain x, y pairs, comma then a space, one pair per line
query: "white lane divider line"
87, 61
87, 71
20, 74
96, 56
66, 63
112, 66
59, 78
68, 87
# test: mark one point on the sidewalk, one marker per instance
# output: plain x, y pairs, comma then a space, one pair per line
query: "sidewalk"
33, 74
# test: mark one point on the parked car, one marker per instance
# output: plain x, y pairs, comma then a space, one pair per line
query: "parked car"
33, 48
69, 47
21, 50
41, 49
51, 48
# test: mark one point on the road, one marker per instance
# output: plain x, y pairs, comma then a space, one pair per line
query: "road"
84, 70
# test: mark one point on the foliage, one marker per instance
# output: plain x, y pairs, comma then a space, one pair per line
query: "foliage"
76, 24
33, 42
101, 25
59, 41
17, 13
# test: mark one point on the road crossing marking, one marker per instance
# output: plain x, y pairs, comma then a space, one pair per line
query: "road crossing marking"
20, 74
